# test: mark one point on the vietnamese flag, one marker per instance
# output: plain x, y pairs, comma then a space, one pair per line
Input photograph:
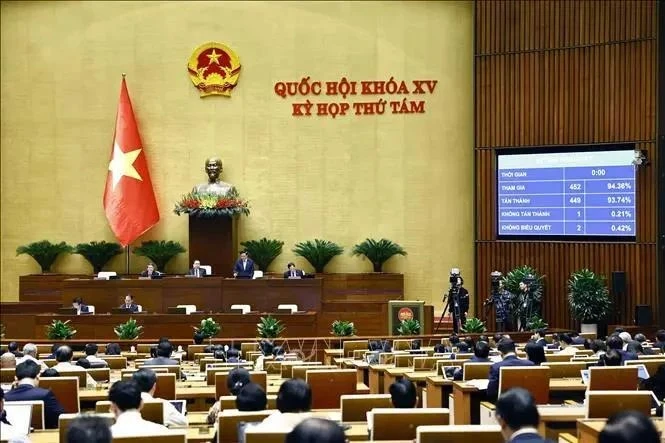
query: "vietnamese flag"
129, 200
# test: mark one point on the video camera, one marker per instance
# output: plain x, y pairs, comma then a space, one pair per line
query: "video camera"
454, 277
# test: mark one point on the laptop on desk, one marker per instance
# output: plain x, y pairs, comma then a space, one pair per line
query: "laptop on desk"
67, 311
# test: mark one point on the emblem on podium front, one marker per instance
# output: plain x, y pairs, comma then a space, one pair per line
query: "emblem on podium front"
214, 69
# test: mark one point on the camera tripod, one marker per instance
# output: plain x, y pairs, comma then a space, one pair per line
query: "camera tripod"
452, 295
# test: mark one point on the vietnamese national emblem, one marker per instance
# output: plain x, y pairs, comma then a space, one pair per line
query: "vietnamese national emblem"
214, 69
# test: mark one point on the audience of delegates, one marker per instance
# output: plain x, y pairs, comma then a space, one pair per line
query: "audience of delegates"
125, 398
509, 358
146, 379
316, 430
610, 358
403, 394
635, 347
27, 388
598, 347
251, 397
7, 360
294, 402
64, 357
163, 352
642, 340
625, 338
566, 343
89, 429
113, 349
91, 355
237, 379
615, 342
577, 339
518, 416
535, 353
13, 348
538, 337
30, 353
629, 427
7, 431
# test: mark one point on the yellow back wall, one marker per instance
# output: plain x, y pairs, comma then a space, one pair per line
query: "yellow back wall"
404, 177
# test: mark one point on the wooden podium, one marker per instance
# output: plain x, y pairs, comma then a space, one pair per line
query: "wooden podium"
213, 241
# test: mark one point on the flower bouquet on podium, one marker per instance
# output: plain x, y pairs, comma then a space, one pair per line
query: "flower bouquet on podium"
208, 205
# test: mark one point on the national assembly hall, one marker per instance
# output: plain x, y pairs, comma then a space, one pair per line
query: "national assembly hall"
332, 221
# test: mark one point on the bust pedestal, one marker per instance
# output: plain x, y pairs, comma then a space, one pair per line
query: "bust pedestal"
213, 241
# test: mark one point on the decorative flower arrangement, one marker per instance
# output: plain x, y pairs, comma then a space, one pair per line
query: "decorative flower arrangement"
212, 205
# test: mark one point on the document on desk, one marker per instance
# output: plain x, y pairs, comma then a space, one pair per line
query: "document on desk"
480, 383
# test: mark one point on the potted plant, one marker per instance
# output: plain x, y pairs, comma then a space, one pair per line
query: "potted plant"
588, 298
409, 327
209, 328
269, 327
378, 251
159, 251
536, 323
60, 330
342, 328
263, 251
318, 252
473, 325
98, 253
44, 252
130, 330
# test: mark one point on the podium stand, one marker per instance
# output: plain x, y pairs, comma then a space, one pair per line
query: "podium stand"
213, 241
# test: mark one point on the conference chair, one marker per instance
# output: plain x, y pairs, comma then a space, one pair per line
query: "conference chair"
165, 385
152, 410
192, 350
171, 437
604, 404
299, 371
613, 378
65, 420
386, 358
81, 375
229, 402
37, 414
559, 358
287, 367
459, 434
50, 362
404, 360
258, 377
651, 365
248, 347
173, 369
359, 354
351, 345
115, 361
329, 385
425, 363
475, 371
228, 420
569, 369
253, 435
7, 375
273, 367
534, 379
402, 424
65, 389
356, 406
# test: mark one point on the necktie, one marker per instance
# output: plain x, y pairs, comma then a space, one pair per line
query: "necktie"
293, 273
197, 272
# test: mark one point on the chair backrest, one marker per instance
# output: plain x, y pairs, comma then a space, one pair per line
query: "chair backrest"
328, 385
227, 423
195, 349
355, 406
351, 345
81, 375
287, 367
253, 435
65, 420
604, 404
258, 377
7, 375
173, 369
401, 345
613, 378
50, 362
248, 347
567, 369
229, 402
65, 389
115, 361
130, 371
459, 434
273, 367
173, 436
404, 360
37, 420
475, 371
652, 365
152, 410
386, 358
559, 358
425, 363
534, 379
299, 371
165, 386
401, 424
100, 374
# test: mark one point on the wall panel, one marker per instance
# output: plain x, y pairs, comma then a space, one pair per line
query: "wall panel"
559, 73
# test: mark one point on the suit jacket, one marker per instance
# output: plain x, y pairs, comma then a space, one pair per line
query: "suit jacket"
145, 273
578, 340
132, 308
161, 361
541, 342
625, 355
52, 408
298, 272
495, 370
248, 271
660, 344
202, 272
528, 438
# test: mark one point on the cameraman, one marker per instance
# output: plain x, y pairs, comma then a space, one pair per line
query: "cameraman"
526, 302
501, 301
463, 297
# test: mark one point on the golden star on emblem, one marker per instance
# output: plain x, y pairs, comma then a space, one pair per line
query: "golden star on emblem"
122, 163
214, 57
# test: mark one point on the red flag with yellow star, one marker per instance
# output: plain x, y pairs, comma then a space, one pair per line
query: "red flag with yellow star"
129, 200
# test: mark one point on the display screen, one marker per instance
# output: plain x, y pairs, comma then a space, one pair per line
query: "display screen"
561, 194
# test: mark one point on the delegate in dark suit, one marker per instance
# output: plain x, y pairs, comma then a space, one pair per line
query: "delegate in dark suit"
529, 437
133, 307
197, 272
52, 408
244, 268
160, 361
294, 273
151, 274
508, 361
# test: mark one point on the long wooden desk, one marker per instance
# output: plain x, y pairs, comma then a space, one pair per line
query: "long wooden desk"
588, 429
210, 294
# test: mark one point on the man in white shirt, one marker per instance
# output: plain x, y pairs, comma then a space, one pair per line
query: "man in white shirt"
64, 356
294, 401
566, 343
146, 379
125, 398
30, 353
91, 355
517, 414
